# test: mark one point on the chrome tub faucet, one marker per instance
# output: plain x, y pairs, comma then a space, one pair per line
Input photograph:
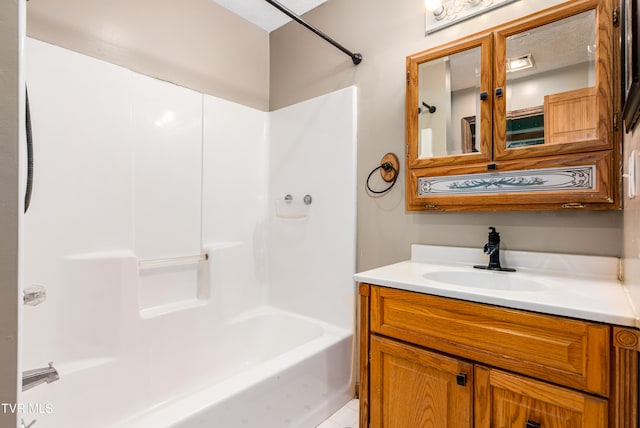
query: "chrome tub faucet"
35, 377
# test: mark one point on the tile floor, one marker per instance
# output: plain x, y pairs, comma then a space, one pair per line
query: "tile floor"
347, 417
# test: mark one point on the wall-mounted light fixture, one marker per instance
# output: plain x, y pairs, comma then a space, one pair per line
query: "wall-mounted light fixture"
435, 8
432, 4
444, 13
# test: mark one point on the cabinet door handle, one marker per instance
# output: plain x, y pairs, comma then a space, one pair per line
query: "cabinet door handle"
461, 379
484, 96
499, 92
532, 424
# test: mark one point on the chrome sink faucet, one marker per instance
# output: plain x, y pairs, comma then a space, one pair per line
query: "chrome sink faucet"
492, 249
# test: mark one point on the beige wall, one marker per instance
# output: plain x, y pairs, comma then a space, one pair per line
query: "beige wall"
194, 43
9, 205
385, 32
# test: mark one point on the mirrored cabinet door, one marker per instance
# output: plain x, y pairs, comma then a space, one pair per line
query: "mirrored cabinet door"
520, 116
553, 84
449, 104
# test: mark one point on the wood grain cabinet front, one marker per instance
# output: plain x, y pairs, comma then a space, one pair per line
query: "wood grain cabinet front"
569, 352
499, 120
429, 361
506, 400
413, 387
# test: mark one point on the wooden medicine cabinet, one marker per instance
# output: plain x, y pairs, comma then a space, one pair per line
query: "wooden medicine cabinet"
520, 117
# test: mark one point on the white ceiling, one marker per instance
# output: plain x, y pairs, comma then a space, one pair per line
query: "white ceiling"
264, 15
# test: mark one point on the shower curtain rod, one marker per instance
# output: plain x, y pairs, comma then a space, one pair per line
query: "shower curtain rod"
355, 57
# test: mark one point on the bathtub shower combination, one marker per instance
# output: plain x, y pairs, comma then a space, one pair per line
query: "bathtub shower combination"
197, 259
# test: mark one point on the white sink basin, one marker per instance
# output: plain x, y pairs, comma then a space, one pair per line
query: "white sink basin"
491, 280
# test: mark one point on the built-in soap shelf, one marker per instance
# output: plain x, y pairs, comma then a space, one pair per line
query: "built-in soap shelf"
171, 283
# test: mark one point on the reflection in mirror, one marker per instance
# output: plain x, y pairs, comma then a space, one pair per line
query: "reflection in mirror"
449, 97
468, 134
550, 91
525, 127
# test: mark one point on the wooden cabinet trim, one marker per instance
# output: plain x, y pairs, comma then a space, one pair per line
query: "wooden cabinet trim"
626, 338
624, 375
363, 393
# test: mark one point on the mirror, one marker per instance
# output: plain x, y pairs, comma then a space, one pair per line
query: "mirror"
538, 88
449, 104
550, 83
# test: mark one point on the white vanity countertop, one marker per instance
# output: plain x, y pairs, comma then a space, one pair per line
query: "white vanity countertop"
584, 287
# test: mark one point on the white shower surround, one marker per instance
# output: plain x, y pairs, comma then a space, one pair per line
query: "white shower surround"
130, 168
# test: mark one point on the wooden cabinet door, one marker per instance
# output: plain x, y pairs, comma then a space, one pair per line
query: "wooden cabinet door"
414, 388
578, 111
505, 400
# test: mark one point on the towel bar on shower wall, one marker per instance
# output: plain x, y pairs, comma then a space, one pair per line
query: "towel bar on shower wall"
172, 261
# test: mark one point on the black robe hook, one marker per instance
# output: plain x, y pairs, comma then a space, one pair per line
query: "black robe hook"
430, 109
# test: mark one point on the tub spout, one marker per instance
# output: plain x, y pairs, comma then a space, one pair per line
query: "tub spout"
33, 378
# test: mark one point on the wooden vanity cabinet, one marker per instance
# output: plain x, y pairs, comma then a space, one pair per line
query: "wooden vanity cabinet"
429, 361
546, 137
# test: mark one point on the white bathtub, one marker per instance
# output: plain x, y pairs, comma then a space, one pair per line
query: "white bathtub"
265, 369
293, 372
